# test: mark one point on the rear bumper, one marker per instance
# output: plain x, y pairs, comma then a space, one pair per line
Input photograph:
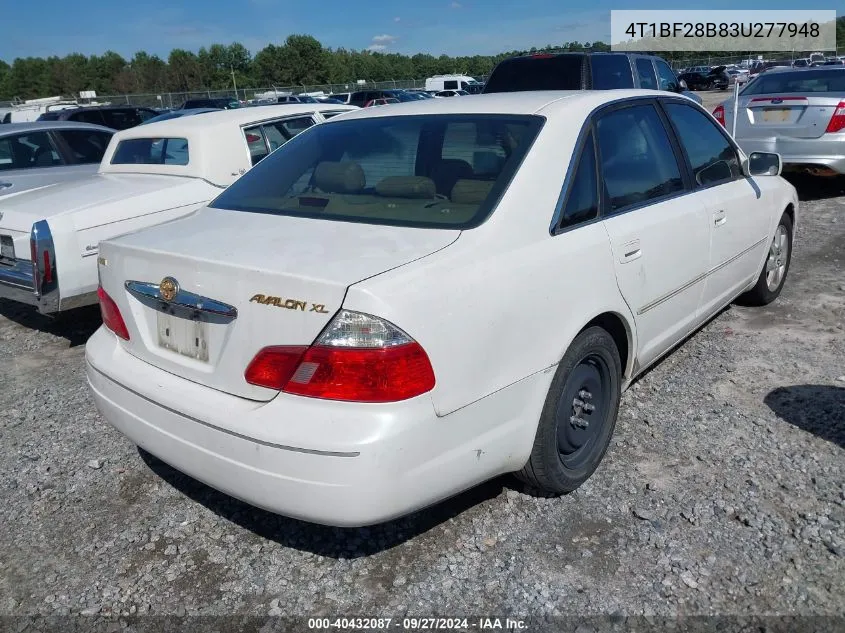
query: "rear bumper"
17, 283
827, 151
327, 462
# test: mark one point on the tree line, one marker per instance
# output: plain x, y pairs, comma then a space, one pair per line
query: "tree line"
300, 61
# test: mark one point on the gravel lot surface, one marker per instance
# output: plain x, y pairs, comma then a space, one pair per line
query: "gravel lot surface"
723, 492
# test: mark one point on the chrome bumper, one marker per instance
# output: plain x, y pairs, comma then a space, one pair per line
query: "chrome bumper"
36, 285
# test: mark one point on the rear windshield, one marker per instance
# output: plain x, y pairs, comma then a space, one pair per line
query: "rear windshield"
440, 171
799, 81
557, 72
151, 151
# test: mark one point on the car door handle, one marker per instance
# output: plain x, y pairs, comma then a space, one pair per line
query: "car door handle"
630, 251
720, 217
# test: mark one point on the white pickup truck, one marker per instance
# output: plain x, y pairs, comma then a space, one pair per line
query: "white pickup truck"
149, 174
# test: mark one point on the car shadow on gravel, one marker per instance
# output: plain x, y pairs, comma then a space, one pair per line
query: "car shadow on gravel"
816, 187
320, 539
817, 409
76, 326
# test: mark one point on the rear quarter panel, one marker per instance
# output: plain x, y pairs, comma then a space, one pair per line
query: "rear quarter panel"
506, 299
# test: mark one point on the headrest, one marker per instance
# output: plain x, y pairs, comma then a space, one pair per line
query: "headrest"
406, 187
342, 177
471, 191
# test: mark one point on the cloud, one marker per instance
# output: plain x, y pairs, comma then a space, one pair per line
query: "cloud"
397, 19
456, 5
374, 48
384, 39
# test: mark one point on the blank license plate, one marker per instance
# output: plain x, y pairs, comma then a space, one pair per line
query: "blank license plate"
183, 336
776, 115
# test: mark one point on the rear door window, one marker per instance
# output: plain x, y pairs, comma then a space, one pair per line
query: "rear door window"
637, 160
666, 79
25, 151
280, 132
712, 158
645, 72
87, 146
553, 72
611, 72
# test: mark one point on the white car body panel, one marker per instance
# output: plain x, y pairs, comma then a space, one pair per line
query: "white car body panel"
122, 198
494, 307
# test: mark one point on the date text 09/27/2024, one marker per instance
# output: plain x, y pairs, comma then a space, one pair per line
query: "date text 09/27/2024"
418, 624
722, 29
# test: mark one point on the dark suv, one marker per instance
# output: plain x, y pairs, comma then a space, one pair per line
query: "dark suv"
115, 117
585, 71
224, 103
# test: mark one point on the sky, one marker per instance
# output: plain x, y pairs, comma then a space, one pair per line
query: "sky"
451, 27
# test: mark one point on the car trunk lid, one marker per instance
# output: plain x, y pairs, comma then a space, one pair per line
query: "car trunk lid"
795, 116
249, 280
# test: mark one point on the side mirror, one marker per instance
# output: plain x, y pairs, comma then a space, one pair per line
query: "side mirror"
682, 86
764, 164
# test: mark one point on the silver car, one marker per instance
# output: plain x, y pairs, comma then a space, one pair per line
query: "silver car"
799, 114
43, 153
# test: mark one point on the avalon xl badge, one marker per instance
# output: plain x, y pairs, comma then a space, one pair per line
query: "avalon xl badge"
168, 289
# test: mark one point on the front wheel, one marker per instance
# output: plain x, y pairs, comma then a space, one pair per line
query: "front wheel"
579, 415
776, 267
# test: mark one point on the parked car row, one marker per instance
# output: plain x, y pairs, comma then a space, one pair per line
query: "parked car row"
272, 280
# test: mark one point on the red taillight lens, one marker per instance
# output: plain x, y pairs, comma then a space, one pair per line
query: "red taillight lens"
272, 367
719, 114
363, 374
354, 374
48, 268
837, 121
112, 318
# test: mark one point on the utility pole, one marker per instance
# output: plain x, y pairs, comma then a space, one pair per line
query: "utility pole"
234, 83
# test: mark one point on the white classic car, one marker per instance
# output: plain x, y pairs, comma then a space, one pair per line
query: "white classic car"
406, 301
34, 155
148, 175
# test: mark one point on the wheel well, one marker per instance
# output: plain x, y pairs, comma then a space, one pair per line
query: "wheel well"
790, 211
615, 326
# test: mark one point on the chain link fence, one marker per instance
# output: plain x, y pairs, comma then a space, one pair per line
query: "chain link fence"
175, 99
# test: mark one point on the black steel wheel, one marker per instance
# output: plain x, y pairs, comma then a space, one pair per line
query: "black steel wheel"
579, 415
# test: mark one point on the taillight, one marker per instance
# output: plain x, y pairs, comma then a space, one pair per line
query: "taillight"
112, 318
358, 358
837, 121
719, 114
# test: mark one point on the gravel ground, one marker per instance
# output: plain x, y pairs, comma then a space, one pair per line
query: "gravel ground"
723, 492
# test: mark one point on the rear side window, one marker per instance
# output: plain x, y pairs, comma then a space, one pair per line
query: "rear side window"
582, 202
151, 151
87, 116
645, 72
556, 72
611, 72
711, 156
88, 146
276, 134
439, 171
121, 119
26, 151
637, 161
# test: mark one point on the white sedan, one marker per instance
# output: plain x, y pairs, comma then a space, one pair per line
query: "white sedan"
149, 174
404, 302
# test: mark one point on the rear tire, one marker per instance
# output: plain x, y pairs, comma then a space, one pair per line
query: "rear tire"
775, 268
578, 417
